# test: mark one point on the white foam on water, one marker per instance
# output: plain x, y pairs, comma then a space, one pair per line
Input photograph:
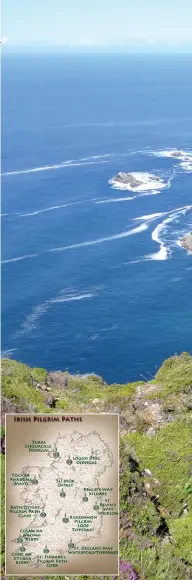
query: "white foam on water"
93, 160
147, 183
157, 233
98, 156
19, 258
185, 157
71, 298
7, 353
166, 248
115, 200
175, 153
168, 153
151, 192
31, 321
187, 165
36, 169
151, 216
135, 261
162, 254
126, 234
52, 208
172, 215
182, 209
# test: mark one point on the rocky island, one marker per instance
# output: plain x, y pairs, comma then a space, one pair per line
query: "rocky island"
127, 179
155, 456
176, 153
185, 156
137, 181
186, 242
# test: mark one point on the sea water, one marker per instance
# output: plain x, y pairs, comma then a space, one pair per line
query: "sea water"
94, 277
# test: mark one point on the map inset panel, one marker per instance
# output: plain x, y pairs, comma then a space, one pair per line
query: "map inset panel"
62, 494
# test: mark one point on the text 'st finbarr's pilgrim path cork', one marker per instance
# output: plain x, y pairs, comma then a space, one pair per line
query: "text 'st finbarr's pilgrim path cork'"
62, 494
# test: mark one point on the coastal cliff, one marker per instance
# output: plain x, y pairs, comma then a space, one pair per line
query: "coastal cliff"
155, 454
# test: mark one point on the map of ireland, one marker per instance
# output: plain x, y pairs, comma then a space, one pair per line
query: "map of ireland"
62, 494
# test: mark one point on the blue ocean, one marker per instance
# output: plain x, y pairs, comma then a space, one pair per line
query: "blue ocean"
94, 278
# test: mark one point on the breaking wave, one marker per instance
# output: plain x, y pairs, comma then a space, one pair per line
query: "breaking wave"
158, 234
187, 165
162, 254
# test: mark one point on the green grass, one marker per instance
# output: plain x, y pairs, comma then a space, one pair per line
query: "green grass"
23, 394
161, 564
17, 386
175, 374
181, 531
39, 375
168, 456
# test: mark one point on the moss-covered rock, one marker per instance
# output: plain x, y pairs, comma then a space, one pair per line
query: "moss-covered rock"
39, 375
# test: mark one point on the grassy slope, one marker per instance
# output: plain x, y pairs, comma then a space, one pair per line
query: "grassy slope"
156, 508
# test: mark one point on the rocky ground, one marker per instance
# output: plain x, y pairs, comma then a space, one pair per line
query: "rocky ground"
186, 242
155, 454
